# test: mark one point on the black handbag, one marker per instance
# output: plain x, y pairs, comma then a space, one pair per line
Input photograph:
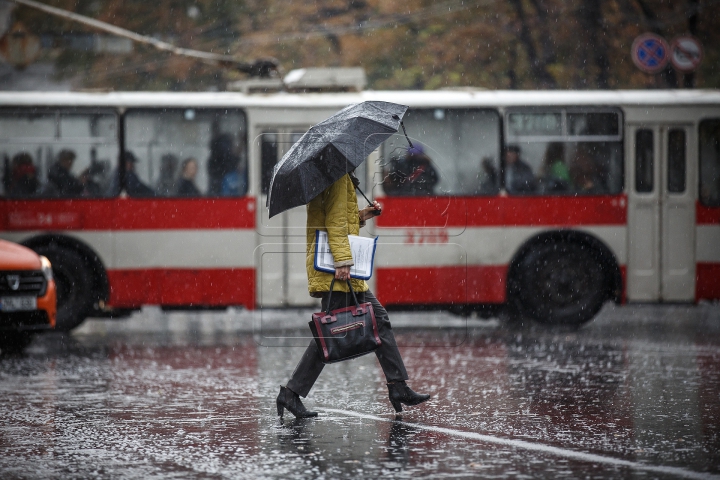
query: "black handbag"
347, 332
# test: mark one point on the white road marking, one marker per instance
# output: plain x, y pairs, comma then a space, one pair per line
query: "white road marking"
538, 447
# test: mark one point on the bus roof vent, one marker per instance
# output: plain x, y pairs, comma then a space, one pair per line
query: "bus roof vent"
337, 79
256, 85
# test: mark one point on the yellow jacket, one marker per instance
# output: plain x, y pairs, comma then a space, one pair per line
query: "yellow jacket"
335, 211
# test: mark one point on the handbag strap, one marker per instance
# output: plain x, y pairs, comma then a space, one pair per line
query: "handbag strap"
332, 284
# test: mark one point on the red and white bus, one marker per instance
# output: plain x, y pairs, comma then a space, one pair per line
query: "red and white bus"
553, 202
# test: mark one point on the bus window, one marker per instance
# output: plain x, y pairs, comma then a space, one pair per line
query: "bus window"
455, 152
644, 161
593, 124
563, 151
185, 152
710, 162
56, 154
676, 161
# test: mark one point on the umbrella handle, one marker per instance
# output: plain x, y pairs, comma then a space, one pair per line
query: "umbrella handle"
395, 117
374, 212
406, 136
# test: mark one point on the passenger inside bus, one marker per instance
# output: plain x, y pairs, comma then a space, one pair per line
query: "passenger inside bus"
235, 183
133, 185
487, 179
222, 161
61, 182
555, 176
585, 172
186, 185
93, 178
23, 177
166, 184
413, 174
519, 178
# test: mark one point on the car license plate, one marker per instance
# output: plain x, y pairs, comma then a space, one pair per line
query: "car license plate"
17, 304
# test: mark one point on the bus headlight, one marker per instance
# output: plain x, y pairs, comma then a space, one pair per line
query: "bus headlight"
46, 268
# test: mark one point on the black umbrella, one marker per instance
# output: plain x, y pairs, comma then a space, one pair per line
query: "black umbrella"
329, 150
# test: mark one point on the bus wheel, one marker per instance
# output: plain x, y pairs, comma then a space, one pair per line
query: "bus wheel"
561, 283
74, 282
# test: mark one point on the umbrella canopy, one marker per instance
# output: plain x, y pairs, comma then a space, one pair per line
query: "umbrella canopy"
329, 150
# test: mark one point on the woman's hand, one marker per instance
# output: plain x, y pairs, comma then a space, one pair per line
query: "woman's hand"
342, 273
367, 212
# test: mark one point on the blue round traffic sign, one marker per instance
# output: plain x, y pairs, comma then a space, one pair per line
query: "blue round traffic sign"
650, 53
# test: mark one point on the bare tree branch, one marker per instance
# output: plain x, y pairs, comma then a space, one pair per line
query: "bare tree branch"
591, 20
537, 68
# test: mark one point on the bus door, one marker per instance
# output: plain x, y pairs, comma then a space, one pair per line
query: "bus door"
661, 213
280, 258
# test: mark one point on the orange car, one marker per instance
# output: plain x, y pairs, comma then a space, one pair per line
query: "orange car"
28, 298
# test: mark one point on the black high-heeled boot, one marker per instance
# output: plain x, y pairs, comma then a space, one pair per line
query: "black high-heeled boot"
291, 400
400, 393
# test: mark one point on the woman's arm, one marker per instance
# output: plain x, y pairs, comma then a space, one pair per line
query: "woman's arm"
336, 223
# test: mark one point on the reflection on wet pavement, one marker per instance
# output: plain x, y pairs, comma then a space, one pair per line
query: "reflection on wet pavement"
635, 393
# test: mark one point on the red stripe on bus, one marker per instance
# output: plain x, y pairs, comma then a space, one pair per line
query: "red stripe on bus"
707, 215
441, 285
707, 284
502, 211
447, 285
182, 287
129, 214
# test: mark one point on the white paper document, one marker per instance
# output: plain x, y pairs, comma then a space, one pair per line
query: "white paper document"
362, 249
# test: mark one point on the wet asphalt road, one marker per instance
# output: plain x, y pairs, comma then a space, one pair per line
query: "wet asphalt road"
636, 393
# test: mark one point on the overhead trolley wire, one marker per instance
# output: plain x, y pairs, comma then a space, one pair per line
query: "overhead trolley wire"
262, 67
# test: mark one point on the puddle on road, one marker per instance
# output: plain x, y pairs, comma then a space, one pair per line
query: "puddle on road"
642, 390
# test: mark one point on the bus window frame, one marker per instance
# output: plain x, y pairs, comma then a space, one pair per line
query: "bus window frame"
65, 110
123, 148
670, 185
564, 110
699, 163
640, 165
564, 137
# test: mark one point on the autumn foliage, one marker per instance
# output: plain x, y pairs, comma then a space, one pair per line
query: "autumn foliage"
409, 44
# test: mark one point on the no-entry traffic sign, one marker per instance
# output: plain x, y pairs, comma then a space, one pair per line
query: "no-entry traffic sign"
686, 53
650, 53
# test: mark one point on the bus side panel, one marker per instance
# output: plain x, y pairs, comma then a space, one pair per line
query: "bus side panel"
185, 213
182, 287
184, 252
707, 285
96, 214
121, 214
564, 211
442, 285
428, 255
158, 251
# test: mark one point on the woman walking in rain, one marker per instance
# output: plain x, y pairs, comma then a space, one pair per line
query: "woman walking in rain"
336, 211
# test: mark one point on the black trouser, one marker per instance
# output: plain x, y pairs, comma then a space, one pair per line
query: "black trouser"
310, 366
